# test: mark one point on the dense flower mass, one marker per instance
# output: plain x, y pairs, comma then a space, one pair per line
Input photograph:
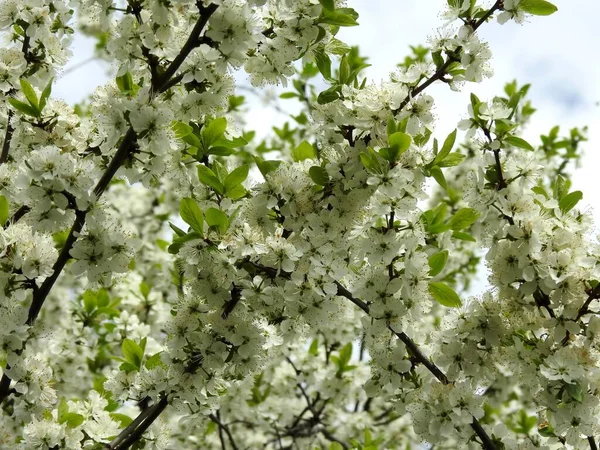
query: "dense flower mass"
171, 282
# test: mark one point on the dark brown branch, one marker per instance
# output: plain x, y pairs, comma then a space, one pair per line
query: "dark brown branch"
7, 137
223, 428
487, 443
17, 215
592, 442
190, 44
132, 433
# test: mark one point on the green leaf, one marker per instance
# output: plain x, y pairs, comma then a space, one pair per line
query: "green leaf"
288, 95
304, 151
341, 17
64, 416
319, 175
213, 131
314, 348
438, 175
219, 150
45, 95
179, 241
323, 62
370, 161
125, 83
208, 178
453, 159
344, 70
463, 218
4, 210
463, 236
73, 420
437, 262
329, 95
89, 301
346, 354
123, 419
444, 294
399, 143
446, 148
236, 192
568, 202
575, 391
561, 187
23, 107
537, 7
153, 361
132, 353
329, 5
181, 129
217, 219
63, 408
192, 214
519, 143
266, 166
236, 177
30, 94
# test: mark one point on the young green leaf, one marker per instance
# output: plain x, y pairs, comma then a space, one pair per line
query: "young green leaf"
236, 177
569, 201
4, 210
463, 218
192, 214
323, 62
437, 262
446, 148
519, 143
266, 166
399, 143
304, 151
217, 219
132, 352
45, 95
538, 7
30, 94
453, 159
444, 294
438, 175
23, 107
329, 5
319, 175
342, 17
210, 179
213, 131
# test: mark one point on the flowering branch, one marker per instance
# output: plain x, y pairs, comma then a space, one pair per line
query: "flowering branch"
443, 69
117, 161
134, 431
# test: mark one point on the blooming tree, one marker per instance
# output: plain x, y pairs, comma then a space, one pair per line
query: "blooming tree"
170, 281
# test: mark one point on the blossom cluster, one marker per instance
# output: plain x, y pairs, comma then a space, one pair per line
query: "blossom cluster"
166, 285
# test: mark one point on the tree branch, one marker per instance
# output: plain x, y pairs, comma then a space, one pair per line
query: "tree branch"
118, 159
442, 71
223, 428
138, 427
190, 44
487, 443
7, 137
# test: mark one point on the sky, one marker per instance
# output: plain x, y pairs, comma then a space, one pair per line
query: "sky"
558, 55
